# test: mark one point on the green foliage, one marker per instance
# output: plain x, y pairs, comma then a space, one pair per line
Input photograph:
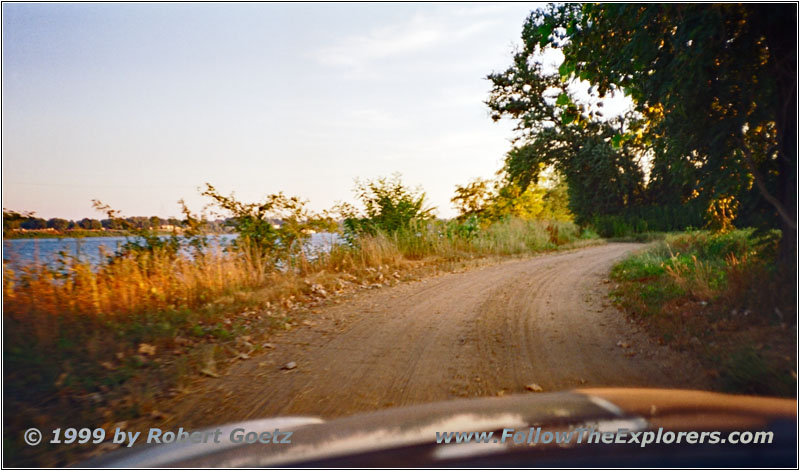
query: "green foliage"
715, 99
510, 236
747, 371
639, 267
507, 199
472, 199
715, 85
271, 232
91, 224
692, 263
555, 130
718, 296
195, 234
465, 228
653, 295
389, 206
555, 203
718, 247
143, 240
12, 220
602, 180
455, 240
589, 233
58, 224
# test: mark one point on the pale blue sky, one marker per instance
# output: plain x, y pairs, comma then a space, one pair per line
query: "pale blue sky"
139, 104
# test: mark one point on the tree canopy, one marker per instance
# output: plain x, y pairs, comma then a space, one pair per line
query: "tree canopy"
714, 93
490, 201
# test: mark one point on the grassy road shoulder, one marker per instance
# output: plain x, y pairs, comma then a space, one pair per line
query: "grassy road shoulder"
720, 297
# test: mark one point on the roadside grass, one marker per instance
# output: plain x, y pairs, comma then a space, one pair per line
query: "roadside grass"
640, 237
720, 297
101, 346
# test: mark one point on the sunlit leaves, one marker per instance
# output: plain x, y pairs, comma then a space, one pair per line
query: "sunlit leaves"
566, 69
270, 231
544, 34
697, 74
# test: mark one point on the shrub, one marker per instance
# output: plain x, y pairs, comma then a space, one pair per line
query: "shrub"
272, 233
389, 206
143, 240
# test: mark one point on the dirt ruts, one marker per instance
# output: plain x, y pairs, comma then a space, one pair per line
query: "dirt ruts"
544, 321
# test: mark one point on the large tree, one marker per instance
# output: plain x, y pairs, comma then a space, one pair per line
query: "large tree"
715, 84
58, 224
557, 128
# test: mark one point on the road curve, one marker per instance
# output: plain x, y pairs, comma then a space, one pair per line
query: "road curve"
494, 330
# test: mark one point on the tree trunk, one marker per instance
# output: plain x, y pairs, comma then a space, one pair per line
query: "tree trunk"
781, 34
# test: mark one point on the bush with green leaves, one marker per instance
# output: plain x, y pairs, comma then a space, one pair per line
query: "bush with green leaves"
270, 233
389, 206
467, 229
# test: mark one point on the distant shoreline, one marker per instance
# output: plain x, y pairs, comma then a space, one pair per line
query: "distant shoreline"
75, 234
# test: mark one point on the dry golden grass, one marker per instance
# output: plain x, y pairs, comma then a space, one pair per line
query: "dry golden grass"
156, 281
130, 330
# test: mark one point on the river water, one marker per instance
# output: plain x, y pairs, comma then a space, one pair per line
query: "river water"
22, 252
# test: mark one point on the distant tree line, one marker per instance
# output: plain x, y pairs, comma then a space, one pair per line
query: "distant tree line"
13, 220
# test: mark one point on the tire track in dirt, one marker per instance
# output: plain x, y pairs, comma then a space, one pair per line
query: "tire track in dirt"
543, 320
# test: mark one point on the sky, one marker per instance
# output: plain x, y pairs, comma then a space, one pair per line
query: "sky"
138, 105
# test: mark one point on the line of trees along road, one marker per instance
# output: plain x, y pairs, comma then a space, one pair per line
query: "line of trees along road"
715, 100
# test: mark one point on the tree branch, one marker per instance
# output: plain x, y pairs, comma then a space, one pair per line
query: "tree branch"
762, 188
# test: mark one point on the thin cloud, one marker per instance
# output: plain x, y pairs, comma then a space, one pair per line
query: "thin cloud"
382, 43
358, 54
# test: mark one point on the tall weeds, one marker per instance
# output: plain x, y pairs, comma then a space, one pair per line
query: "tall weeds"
160, 280
135, 326
720, 296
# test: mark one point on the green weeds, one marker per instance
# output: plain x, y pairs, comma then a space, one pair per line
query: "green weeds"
718, 295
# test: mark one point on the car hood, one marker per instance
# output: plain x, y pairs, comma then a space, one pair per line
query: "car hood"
407, 436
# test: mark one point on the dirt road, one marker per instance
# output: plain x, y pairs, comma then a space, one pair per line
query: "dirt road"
489, 331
